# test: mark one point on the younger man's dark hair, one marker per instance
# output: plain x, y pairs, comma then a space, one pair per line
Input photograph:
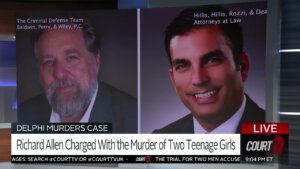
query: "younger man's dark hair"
185, 22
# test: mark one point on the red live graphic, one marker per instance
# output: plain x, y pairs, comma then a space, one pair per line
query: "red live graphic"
265, 128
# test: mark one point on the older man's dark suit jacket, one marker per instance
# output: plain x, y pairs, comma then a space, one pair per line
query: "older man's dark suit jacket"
252, 113
111, 105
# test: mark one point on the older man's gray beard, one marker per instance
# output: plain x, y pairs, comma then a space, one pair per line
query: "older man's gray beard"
70, 104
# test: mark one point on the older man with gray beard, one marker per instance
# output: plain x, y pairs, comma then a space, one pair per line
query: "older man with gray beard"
68, 63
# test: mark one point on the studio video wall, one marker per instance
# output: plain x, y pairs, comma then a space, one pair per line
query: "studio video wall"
158, 85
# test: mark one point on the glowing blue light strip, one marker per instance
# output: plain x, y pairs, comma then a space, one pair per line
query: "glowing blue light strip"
288, 50
290, 113
8, 84
15, 104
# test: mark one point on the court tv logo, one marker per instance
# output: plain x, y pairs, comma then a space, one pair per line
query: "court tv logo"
264, 142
